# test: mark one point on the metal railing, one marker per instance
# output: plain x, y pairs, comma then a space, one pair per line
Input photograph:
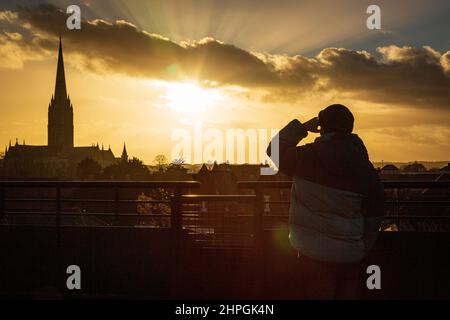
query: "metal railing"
222, 225
394, 201
178, 199
187, 221
177, 188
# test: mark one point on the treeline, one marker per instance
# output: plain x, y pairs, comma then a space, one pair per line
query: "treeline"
129, 169
133, 169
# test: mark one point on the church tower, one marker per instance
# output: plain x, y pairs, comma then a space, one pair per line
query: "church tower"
124, 156
60, 112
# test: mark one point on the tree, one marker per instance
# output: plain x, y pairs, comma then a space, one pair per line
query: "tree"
88, 169
177, 163
137, 170
133, 169
160, 161
414, 167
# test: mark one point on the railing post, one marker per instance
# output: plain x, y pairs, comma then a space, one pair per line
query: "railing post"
260, 272
176, 225
2, 203
59, 259
397, 207
258, 217
58, 207
176, 216
116, 205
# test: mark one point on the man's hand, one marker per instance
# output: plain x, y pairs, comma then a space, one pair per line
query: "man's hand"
312, 125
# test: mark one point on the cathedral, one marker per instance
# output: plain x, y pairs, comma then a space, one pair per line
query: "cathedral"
59, 158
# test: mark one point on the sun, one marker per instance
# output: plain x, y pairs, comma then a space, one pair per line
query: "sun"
190, 97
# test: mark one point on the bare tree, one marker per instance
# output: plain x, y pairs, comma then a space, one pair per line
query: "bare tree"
160, 161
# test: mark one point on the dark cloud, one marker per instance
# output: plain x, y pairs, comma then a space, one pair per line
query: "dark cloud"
121, 47
404, 75
212, 60
399, 75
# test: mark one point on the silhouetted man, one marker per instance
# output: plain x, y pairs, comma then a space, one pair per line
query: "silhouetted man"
336, 202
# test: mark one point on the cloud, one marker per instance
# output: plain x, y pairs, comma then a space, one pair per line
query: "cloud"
402, 75
445, 62
420, 134
417, 77
15, 50
8, 16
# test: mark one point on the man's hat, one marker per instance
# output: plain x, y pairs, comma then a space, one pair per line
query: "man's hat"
336, 118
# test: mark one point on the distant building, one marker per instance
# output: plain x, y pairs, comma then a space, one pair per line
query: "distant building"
218, 179
389, 169
59, 157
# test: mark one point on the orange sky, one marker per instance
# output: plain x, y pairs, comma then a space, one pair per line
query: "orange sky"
400, 118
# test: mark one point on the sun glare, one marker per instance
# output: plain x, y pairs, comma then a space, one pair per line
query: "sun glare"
190, 97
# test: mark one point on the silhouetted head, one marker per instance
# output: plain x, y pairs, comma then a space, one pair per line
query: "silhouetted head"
336, 118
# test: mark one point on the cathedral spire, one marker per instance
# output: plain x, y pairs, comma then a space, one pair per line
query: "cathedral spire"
60, 85
124, 156
60, 111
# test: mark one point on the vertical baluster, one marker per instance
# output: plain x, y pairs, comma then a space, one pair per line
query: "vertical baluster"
176, 215
2, 203
177, 228
59, 259
258, 217
116, 205
58, 207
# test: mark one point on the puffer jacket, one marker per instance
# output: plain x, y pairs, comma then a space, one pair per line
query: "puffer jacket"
337, 200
